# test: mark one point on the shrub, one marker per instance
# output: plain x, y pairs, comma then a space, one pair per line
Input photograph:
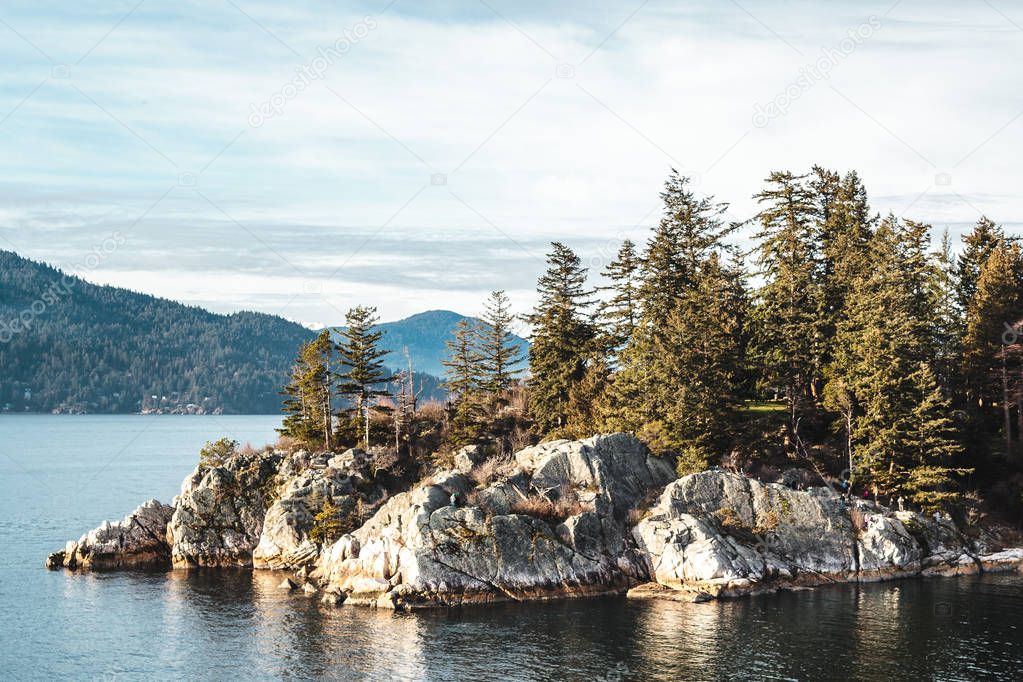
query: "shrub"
692, 459
288, 444
332, 521
217, 453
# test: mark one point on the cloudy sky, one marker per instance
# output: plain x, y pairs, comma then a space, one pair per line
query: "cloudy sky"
299, 160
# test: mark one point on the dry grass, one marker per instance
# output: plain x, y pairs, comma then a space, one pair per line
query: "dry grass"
859, 520
288, 444
247, 450
490, 470
552, 512
769, 522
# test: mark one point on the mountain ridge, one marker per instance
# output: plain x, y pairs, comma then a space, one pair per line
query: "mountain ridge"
68, 345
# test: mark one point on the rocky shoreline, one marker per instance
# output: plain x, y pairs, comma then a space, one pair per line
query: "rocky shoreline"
559, 520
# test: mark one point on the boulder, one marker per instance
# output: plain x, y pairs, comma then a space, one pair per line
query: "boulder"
723, 534
419, 550
138, 541
284, 542
218, 517
468, 457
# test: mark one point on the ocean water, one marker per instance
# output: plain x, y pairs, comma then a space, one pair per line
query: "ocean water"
62, 475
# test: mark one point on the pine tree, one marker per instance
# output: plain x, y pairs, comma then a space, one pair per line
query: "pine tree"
929, 476
562, 337
994, 310
689, 231
618, 315
703, 351
883, 380
500, 357
466, 383
789, 343
362, 368
979, 244
308, 394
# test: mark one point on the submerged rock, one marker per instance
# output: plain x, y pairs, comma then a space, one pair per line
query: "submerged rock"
138, 541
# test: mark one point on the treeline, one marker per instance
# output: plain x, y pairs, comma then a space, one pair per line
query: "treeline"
341, 395
842, 341
889, 360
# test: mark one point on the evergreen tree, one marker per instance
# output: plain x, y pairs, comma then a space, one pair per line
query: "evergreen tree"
687, 336
587, 410
702, 352
617, 317
844, 226
993, 312
500, 357
883, 379
689, 230
929, 476
467, 379
562, 337
979, 244
789, 341
362, 368
308, 394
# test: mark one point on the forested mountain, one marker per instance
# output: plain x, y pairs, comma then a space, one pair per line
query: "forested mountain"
71, 346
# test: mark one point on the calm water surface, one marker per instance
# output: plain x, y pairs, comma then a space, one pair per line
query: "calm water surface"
61, 475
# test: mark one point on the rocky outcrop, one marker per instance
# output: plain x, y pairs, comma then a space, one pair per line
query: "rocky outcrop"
139, 541
218, 517
722, 534
284, 542
560, 519
509, 542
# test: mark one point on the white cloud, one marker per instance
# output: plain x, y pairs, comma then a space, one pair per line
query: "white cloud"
529, 156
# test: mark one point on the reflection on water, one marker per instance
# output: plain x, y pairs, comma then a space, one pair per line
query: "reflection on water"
217, 625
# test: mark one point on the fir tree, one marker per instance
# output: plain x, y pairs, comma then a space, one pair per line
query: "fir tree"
882, 378
618, 315
992, 318
308, 394
789, 340
500, 357
362, 368
644, 389
689, 230
844, 226
466, 382
979, 244
702, 352
929, 474
562, 337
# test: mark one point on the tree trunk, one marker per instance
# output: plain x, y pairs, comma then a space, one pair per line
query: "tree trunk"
1005, 408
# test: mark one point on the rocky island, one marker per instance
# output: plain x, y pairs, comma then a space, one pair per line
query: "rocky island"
560, 519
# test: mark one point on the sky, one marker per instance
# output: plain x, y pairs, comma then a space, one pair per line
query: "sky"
302, 158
